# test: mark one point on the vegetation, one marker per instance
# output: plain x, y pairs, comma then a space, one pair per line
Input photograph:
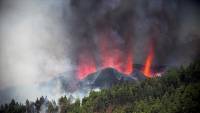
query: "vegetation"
177, 91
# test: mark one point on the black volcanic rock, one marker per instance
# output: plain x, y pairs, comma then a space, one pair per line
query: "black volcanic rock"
138, 75
106, 78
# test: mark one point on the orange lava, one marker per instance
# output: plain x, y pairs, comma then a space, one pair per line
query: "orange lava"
129, 65
86, 66
109, 54
148, 62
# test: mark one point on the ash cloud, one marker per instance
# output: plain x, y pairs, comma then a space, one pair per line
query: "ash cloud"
41, 39
170, 25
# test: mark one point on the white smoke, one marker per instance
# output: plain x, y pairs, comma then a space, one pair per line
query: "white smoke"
33, 45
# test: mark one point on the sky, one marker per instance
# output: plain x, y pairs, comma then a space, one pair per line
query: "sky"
41, 39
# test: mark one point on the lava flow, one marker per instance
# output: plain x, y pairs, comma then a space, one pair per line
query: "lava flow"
112, 55
109, 53
129, 65
86, 65
148, 62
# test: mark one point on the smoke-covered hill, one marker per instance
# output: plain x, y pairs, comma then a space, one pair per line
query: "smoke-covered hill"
176, 92
69, 84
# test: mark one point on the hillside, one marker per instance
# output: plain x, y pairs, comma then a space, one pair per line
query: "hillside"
177, 91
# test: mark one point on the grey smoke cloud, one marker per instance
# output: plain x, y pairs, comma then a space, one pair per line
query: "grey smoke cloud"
34, 45
168, 23
40, 39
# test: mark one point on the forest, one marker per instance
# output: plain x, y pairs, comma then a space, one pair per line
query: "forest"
176, 91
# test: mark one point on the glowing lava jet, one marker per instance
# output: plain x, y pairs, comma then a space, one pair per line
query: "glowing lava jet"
110, 53
148, 62
129, 65
86, 65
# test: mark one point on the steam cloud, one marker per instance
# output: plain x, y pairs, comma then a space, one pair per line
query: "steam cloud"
40, 39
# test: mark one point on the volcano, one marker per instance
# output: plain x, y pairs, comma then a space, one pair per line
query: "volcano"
106, 78
111, 55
